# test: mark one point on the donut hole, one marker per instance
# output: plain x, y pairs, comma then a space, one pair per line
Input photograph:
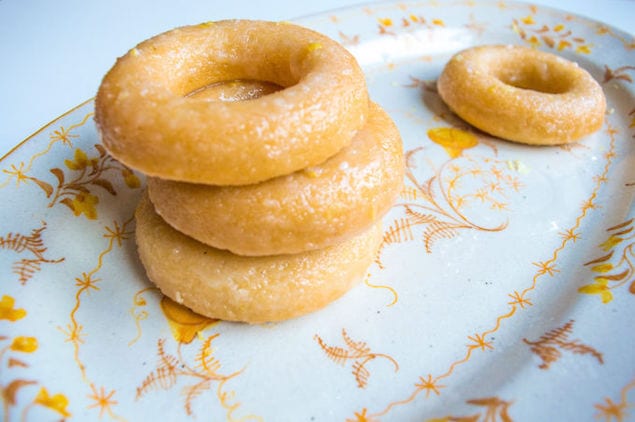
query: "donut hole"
544, 77
234, 90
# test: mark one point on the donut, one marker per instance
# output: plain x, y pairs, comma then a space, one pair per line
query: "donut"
219, 284
309, 209
148, 120
522, 94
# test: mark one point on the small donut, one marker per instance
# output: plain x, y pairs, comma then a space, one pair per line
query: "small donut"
148, 120
309, 209
219, 284
522, 94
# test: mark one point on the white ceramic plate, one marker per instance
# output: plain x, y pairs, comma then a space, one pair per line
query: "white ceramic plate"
504, 289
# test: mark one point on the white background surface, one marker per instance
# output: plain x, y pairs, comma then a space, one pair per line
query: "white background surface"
54, 53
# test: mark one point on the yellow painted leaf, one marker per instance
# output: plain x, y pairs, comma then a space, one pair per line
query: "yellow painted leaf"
611, 242
601, 282
534, 41
84, 203
602, 268
184, 323
57, 402
131, 179
563, 44
453, 140
24, 344
589, 289
385, 21
528, 20
8, 311
600, 287
79, 162
584, 49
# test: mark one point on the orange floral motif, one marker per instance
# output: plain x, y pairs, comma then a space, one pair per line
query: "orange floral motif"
549, 345
102, 400
85, 283
616, 268
8, 393
358, 352
627, 41
33, 244
611, 411
441, 204
361, 417
519, 299
386, 24
618, 74
62, 135
89, 173
205, 373
479, 342
19, 172
429, 385
348, 40
392, 291
556, 36
84, 203
138, 311
89, 281
495, 410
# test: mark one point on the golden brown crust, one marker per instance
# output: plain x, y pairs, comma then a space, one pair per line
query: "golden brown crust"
221, 285
522, 94
309, 209
146, 121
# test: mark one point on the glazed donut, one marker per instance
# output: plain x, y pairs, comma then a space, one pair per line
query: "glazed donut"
522, 94
309, 209
147, 120
218, 284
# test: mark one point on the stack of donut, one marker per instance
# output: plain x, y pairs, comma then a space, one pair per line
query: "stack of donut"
268, 167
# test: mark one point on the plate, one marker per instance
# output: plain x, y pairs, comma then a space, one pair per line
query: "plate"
503, 291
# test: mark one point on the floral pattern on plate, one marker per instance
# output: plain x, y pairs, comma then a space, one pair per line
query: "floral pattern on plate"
503, 289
